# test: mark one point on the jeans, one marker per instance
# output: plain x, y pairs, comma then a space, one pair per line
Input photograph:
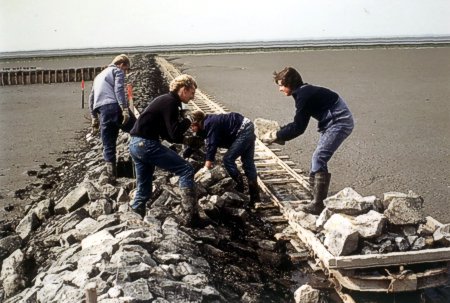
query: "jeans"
332, 136
146, 155
244, 147
110, 118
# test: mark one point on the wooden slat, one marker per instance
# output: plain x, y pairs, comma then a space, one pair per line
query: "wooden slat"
395, 258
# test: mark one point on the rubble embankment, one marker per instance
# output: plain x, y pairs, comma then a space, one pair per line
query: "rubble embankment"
80, 234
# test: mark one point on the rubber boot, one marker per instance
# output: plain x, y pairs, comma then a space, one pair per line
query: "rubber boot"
111, 171
253, 190
239, 183
320, 192
140, 210
188, 206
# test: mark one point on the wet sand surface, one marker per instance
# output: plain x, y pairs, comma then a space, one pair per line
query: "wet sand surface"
399, 98
38, 123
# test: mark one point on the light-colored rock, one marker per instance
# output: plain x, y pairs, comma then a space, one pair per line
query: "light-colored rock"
28, 224
306, 294
264, 126
75, 199
342, 242
442, 235
349, 202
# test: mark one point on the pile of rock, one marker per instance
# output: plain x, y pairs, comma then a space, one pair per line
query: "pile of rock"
353, 224
83, 235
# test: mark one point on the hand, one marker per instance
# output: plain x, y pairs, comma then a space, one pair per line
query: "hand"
269, 137
200, 173
125, 115
95, 126
185, 113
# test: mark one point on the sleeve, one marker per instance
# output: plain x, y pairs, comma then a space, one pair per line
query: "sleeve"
175, 126
211, 144
91, 103
119, 87
295, 128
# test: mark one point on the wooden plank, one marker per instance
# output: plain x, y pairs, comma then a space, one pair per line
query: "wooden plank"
386, 283
308, 237
395, 258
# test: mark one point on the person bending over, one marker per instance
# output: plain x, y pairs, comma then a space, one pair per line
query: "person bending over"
162, 120
236, 133
335, 124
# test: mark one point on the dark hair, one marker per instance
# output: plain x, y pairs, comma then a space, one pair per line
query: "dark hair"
289, 77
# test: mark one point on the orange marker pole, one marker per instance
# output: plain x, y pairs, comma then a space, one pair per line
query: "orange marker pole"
130, 97
82, 93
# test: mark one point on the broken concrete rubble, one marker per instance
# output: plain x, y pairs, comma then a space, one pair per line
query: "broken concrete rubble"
402, 226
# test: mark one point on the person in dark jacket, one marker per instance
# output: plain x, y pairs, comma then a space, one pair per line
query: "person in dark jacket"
335, 124
236, 133
162, 120
107, 101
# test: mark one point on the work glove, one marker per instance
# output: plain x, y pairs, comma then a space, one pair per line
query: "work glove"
125, 115
95, 126
271, 137
198, 175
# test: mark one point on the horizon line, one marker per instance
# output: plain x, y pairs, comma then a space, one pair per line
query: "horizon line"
235, 46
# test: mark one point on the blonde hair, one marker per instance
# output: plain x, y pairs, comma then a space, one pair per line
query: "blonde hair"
121, 59
182, 81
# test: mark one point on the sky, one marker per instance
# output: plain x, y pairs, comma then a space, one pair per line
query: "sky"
28, 25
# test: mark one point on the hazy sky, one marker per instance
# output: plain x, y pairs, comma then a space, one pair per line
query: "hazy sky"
67, 24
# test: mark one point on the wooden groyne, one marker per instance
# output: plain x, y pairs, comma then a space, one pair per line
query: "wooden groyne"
33, 75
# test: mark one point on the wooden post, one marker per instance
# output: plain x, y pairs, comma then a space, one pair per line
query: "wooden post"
91, 293
82, 93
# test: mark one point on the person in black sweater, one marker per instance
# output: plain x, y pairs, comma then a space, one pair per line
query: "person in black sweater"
335, 124
162, 120
236, 133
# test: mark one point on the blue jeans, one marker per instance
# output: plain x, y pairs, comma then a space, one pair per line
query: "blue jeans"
110, 118
244, 147
146, 155
332, 136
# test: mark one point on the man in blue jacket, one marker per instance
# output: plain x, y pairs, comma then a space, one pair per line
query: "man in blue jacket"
236, 133
162, 120
109, 108
335, 124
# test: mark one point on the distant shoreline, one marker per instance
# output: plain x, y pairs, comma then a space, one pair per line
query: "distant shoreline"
240, 46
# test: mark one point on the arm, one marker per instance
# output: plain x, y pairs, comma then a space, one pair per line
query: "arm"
175, 127
119, 88
211, 144
91, 102
295, 128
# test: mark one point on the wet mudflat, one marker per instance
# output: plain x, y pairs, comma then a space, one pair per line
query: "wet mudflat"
399, 98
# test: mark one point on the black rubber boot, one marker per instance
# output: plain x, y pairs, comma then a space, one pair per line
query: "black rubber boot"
239, 183
140, 210
320, 192
188, 206
111, 171
253, 190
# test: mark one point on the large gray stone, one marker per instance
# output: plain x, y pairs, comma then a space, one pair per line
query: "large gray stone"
405, 209
8, 245
75, 199
349, 202
27, 225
